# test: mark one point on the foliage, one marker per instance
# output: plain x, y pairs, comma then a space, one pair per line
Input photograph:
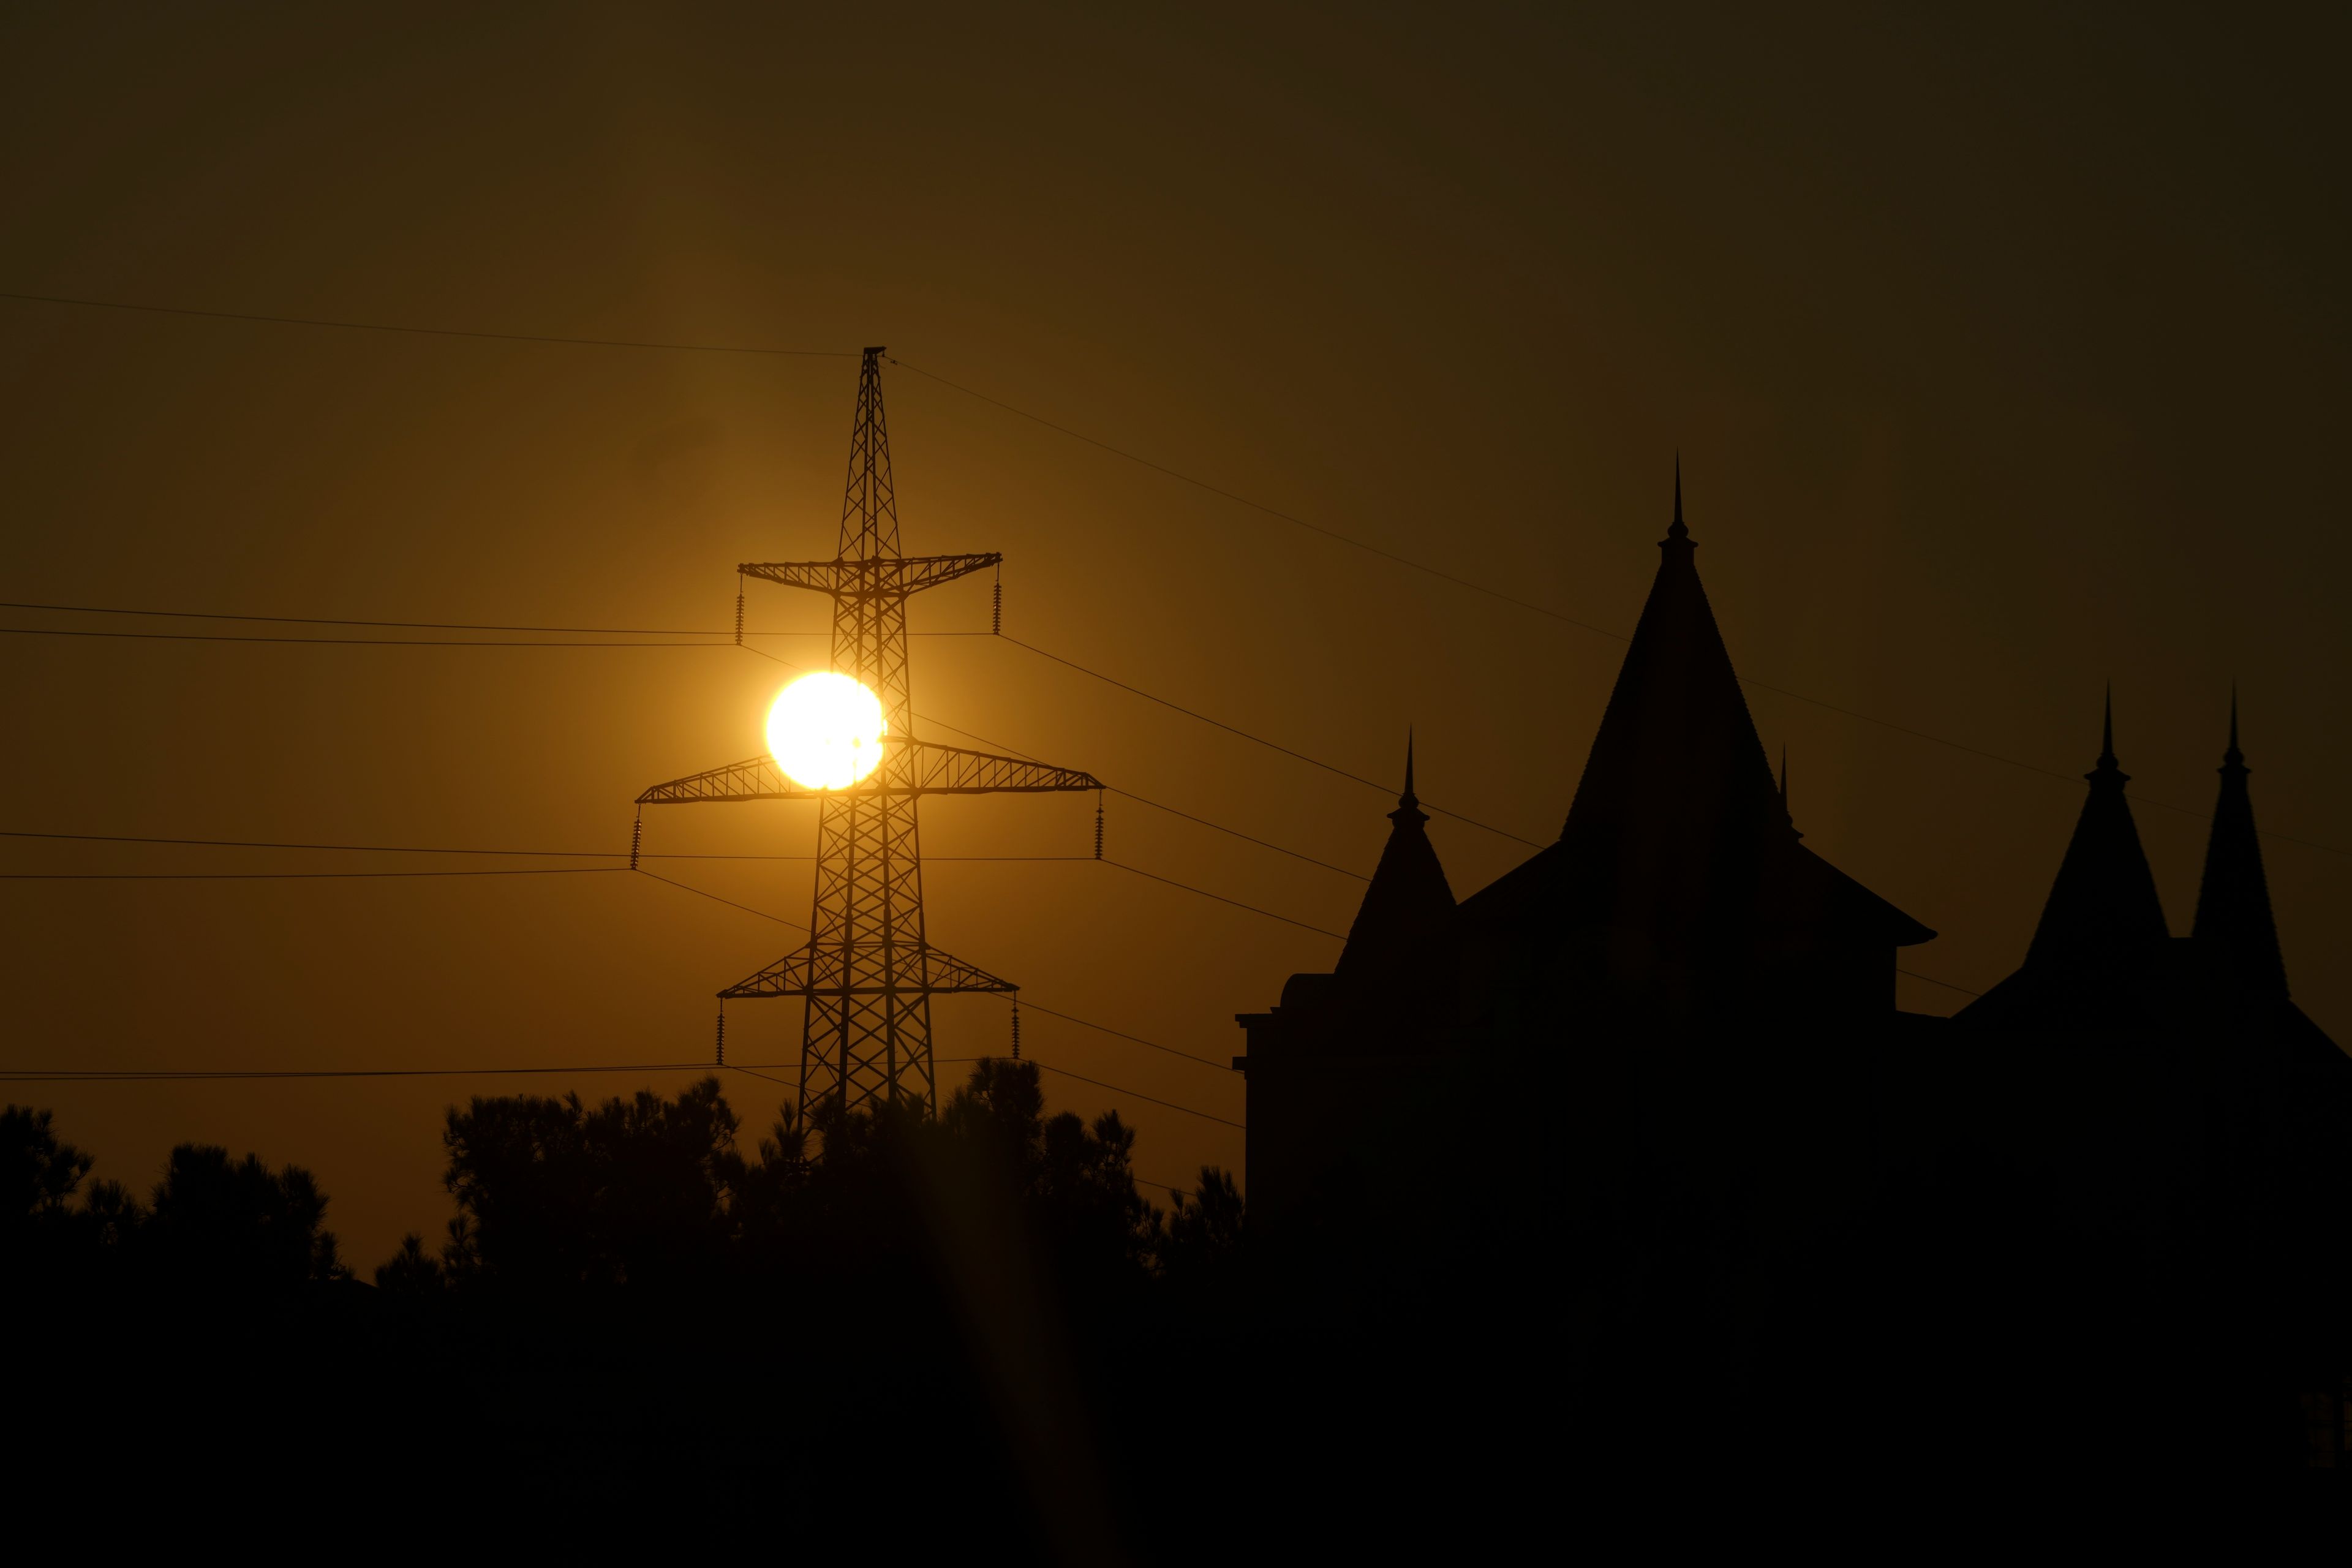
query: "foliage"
211, 1221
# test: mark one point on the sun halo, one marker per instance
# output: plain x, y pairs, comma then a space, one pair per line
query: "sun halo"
826, 731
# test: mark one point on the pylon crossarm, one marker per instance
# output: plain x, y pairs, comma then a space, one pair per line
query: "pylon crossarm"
831, 972
908, 767
881, 577
925, 767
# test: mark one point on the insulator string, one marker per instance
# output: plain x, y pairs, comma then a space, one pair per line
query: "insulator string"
1098, 824
1017, 1028
637, 837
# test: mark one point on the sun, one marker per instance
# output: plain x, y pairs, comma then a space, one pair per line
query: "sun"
826, 731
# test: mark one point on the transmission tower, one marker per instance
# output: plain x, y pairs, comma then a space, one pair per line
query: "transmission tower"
868, 973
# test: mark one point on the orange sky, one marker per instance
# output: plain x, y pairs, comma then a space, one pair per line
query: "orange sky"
2006, 355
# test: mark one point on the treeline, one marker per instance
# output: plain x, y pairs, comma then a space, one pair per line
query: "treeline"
559, 1194
979, 1309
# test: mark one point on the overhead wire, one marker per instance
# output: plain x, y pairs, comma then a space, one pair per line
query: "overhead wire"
1129, 795
299, 876
427, 331
1259, 740
443, 850
1034, 1006
641, 633
432, 625
1335, 535
328, 642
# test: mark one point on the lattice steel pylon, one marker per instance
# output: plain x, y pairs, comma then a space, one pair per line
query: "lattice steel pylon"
868, 972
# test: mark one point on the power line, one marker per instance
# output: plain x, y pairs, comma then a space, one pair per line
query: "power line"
439, 849
1129, 795
250, 1074
1178, 475
1258, 740
427, 331
1543, 610
1203, 892
1933, 981
326, 642
1065, 1072
1234, 831
1068, 1018
346, 621
434, 625
1031, 647
233, 1075
1123, 1034
296, 876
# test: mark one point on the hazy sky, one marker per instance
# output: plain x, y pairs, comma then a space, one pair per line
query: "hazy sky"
2006, 351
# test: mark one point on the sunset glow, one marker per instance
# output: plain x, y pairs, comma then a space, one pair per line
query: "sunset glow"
826, 731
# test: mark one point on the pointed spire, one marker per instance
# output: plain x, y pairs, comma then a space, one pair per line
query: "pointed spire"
2233, 900
1408, 804
1402, 917
1677, 752
2103, 901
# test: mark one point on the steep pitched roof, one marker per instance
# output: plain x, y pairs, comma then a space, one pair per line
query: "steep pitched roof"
1677, 821
2233, 900
1405, 910
2103, 901
1677, 745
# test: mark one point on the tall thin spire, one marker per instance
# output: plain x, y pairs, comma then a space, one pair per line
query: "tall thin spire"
2103, 901
1675, 530
2233, 900
1401, 921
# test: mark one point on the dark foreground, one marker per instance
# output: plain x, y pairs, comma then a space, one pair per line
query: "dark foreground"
974, 1333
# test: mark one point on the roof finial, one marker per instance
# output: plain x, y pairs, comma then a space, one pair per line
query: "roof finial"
1409, 799
2235, 755
1675, 529
2108, 731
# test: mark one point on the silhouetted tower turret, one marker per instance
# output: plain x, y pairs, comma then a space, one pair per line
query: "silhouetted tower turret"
2104, 902
1402, 921
2235, 924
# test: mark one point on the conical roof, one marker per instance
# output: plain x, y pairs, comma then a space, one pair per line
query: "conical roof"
1676, 751
2104, 902
1678, 826
2233, 900
1401, 922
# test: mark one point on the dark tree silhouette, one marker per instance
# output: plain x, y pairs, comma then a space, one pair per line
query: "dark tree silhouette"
41, 1173
1206, 1230
553, 1193
234, 1222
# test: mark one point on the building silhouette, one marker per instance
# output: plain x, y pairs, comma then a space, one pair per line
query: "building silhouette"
1652, 1089
1678, 915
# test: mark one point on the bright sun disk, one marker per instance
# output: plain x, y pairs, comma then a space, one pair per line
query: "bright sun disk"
826, 731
